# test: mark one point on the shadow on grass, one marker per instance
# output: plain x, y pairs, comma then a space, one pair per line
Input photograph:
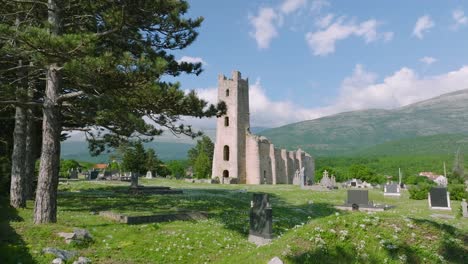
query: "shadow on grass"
12, 247
336, 254
230, 207
450, 249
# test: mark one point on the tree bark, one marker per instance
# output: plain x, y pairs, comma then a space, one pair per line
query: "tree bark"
45, 209
18, 181
31, 146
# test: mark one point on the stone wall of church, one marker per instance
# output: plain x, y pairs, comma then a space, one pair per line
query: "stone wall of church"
241, 157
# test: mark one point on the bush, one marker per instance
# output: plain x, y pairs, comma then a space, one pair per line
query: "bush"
177, 168
415, 179
419, 191
457, 192
4, 175
66, 166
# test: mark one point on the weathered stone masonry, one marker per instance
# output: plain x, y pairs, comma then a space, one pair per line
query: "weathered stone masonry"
241, 157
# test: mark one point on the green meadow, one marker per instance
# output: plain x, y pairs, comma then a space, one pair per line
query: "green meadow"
307, 227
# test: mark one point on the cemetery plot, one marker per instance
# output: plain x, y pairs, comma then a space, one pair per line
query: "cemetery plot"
439, 198
358, 200
304, 224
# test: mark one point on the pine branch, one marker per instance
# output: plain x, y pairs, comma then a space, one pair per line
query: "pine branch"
68, 96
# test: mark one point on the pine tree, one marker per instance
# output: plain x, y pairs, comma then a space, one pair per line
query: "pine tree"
201, 157
152, 162
103, 64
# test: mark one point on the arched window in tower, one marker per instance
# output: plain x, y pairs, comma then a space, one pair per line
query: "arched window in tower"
226, 174
226, 153
227, 92
226, 121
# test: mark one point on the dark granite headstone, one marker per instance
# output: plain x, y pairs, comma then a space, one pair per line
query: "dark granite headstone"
73, 174
134, 180
261, 219
438, 196
93, 175
353, 184
359, 197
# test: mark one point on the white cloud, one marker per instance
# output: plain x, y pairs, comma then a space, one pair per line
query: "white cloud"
460, 19
191, 60
317, 5
405, 86
325, 21
264, 26
428, 60
269, 19
290, 6
323, 42
387, 36
361, 90
423, 24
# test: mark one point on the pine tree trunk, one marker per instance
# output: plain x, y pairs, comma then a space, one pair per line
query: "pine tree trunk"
17, 187
45, 209
31, 148
18, 181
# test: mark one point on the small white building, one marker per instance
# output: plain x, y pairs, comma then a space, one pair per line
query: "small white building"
441, 181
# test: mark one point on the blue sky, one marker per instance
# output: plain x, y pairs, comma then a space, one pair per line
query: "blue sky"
310, 58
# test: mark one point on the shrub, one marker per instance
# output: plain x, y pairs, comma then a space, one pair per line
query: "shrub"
457, 192
419, 191
415, 179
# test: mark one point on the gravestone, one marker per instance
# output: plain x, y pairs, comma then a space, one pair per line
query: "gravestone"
353, 184
296, 179
261, 220
333, 181
93, 175
302, 178
358, 197
358, 200
464, 206
149, 175
107, 174
439, 198
73, 174
325, 181
391, 189
133, 180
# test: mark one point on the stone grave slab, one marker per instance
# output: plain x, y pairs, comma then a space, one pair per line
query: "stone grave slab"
156, 218
439, 198
358, 200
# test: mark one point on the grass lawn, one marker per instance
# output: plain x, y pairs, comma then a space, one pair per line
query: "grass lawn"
307, 227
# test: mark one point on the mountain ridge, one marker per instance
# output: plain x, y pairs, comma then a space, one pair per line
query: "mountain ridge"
348, 132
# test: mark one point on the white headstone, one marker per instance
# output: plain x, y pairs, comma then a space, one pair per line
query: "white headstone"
149, 175
464, 205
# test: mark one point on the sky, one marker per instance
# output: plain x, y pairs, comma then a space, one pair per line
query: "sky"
311, 58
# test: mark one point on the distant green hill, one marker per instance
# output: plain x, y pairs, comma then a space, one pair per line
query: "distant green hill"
437, 145
353, 132
78, 150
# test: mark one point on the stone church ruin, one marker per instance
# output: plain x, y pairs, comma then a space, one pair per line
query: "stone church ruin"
242, 157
